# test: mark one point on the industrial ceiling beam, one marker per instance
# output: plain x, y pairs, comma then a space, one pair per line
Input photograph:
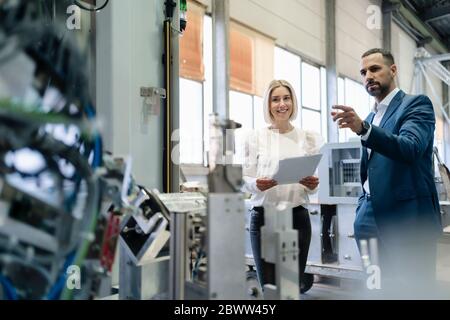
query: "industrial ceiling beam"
388, 10
435, 13
436, 42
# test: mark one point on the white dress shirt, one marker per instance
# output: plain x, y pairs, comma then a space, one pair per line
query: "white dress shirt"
379, 109
264, 149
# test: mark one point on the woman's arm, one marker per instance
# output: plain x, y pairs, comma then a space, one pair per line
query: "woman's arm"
250, 164
249, 185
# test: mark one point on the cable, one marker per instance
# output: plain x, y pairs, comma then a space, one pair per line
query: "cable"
20, 291
56, 290
90, 9
98, 143
8, 288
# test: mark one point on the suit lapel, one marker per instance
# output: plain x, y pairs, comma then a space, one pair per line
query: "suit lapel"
370, 117
395, 103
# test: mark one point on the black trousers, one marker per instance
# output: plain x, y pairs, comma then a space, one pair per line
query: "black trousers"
301, 223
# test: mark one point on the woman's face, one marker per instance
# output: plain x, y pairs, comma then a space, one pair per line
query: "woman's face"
281, 104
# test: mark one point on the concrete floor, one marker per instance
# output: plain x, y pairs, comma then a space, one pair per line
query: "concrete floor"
333, 289
339, 289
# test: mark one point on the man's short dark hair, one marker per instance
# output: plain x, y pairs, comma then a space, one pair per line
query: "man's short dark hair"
388, 57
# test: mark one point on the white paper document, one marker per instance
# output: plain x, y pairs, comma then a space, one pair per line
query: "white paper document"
292, 170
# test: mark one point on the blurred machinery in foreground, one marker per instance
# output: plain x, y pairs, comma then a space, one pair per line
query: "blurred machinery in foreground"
56, 242
64, 204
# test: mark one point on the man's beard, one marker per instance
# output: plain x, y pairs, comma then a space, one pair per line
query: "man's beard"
379, 91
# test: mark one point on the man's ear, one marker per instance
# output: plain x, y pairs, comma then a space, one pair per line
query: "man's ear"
394, 70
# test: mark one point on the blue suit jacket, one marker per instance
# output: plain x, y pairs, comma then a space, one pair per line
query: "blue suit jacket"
400, 170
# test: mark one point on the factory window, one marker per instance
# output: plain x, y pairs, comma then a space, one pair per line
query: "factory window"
341, 91
310, 86
191, 133
353, 94
287, 67
251, 69
309, 82
311, 120
241, 109
311, 98
258, 113
192, 86
324, 103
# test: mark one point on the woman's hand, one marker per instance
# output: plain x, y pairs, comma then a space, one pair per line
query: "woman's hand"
264, 184
310, 182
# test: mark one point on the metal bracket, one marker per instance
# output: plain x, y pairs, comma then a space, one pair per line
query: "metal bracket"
152, 100
150, 92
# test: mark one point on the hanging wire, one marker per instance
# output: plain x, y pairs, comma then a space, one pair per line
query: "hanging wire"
91, 9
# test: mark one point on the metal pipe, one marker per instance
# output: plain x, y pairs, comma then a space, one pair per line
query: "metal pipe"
387, 25
220, 21
167, 169
175, 98
330, 8
177, 269
433, 91
440, 58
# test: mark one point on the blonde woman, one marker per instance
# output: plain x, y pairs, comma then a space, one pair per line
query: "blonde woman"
264, 148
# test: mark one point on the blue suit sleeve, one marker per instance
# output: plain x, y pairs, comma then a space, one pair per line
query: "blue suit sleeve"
416, 132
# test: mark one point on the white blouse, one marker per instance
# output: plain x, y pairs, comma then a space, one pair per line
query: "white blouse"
264, 148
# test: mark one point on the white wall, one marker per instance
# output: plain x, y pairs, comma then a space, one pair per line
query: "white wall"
298, 25
130, 47
403, 48
353, 37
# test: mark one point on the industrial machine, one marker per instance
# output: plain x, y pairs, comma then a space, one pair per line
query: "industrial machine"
195, 263
178, 245
333, 250
279, 246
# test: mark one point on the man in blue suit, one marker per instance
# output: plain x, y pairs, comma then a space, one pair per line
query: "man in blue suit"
399, 205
